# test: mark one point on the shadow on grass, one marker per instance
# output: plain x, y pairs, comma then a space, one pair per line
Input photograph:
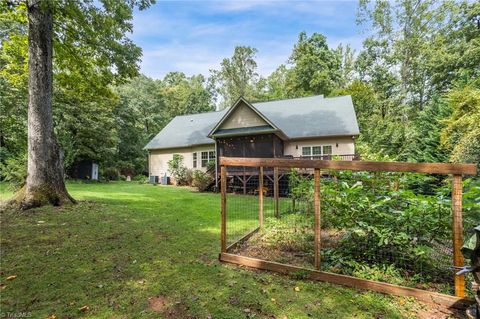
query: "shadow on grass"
113, 254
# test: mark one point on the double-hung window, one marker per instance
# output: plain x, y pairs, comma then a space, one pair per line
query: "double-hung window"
194, 156
208, 157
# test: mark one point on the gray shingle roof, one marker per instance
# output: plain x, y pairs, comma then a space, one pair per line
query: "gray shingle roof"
297, 118
312, 116
186, 130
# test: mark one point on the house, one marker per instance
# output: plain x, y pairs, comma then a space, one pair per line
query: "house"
312, 127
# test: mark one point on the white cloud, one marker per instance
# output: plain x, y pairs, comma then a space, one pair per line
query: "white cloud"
194, 37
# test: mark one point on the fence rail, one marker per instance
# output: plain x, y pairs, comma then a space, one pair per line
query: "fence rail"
263, 194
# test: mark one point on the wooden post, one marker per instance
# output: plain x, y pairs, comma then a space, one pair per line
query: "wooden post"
458, 233
317, 218
244, 181
260, 197
276, 191
223, 185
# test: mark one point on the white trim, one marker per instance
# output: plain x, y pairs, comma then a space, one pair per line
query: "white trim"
321, 150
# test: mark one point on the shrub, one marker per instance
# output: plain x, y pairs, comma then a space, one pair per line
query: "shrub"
110, 173
180, 173
141, 179
14, 171
201, 180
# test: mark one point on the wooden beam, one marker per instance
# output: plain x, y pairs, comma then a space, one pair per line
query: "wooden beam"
260, 197
242, 240
431, 168
316, 189
269, 178
223, 185
276, 192
349, 281
458, 233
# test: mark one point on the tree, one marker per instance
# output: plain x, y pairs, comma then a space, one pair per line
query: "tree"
237, 76
462, 129
316, 68
88, 40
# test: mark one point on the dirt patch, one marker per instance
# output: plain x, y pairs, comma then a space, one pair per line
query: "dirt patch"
177, 311
158, 303
440, 313
257, 247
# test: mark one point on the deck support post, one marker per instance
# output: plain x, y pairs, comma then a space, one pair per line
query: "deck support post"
458, 260
260, 197
223, 186
276, 191
244, 181
317, 218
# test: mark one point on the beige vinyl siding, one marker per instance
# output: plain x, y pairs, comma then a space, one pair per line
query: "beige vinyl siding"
158, 159
345, 146
242, 116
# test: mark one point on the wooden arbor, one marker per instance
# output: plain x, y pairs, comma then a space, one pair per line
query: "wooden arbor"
456, 170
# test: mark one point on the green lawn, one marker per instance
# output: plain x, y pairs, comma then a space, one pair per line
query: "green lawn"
125, 243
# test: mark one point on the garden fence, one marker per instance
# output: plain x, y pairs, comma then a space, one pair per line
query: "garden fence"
387, 226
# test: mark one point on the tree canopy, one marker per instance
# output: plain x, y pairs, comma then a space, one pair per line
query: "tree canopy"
414, 83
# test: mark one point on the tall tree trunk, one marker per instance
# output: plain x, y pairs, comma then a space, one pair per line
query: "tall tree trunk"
45, 180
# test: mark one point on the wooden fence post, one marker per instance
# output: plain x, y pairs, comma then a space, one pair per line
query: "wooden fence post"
317, 218
458, 233
223, 186
276, 191
260, 197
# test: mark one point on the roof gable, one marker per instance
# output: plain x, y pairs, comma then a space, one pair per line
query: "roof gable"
242, 115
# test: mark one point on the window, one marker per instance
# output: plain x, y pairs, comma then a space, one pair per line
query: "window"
195, 160
327, 150
211, 155
318, 152
204, 159
208, 157
306, 151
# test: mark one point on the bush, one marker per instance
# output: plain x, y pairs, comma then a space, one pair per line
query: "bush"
14, 171
141, 179
110, 173
182, 175
201, 180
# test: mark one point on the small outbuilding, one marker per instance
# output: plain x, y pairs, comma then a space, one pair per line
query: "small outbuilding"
85, 169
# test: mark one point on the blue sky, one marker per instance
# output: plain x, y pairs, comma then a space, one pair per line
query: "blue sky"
194, 36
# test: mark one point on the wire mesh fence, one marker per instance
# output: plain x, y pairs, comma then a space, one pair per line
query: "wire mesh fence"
388, 227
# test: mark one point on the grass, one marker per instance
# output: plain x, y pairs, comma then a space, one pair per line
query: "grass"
125, 243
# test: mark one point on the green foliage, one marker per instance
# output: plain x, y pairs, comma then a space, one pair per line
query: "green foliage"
395, 223
316, 67
141, 179
179, 172
462, 131
202, 180
109, 173
301, 190
237, 76
14, 171
280, 234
